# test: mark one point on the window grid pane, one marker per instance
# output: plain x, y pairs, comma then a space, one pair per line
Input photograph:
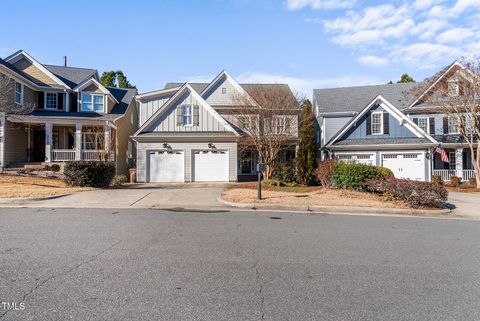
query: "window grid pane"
187, 115
51, 101
423, 124
376, 123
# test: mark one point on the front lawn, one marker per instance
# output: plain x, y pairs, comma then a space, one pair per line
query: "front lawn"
307, 195
13, 186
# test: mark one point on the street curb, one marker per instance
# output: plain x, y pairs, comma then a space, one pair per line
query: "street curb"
335, 209
26, 199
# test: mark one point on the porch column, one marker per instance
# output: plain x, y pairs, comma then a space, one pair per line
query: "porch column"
459, 162
107, 133
67, 102
48, 142
78, 141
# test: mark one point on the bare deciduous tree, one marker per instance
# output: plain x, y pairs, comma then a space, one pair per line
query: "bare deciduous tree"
7, 98
457, 95
268, 117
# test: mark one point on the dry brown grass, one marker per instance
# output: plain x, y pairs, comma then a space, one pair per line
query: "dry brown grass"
313, 196
28, 186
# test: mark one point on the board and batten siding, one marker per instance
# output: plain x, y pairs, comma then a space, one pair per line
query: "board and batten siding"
395, 129
215, 96
149, 106
144, 148
167, 122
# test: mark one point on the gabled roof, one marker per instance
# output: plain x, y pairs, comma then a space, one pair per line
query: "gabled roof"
93, 81
392, 110
72, 76
354, 99
124, 96
185, 88
21, 53
31, 82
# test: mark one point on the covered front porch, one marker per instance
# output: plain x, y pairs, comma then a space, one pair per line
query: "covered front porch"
459, 164
52, 142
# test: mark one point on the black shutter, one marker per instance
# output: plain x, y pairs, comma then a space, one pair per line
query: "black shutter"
179, 116
60, 101
464, 160
73, 102
196, 115
386, 123
445, 125
432, 126
41, 100
369, 123
415, 120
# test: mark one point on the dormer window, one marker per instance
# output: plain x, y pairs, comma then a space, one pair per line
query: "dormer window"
18, 93
51, 100
453, 89
93, 102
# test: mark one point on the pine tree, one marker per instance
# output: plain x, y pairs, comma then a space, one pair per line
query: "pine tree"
108, 78
123, 81
306, 158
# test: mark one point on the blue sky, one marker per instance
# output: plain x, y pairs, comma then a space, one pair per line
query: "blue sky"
305, 43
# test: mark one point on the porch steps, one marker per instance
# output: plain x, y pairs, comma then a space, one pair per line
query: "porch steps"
18, 166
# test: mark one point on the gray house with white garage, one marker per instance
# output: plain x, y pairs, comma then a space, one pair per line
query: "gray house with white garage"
387, 125
189, 132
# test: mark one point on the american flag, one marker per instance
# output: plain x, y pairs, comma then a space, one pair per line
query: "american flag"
442, 153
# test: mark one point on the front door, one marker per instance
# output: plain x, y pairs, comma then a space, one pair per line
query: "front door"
38, 149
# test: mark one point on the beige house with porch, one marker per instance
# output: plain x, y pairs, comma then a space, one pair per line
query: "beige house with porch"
53, 114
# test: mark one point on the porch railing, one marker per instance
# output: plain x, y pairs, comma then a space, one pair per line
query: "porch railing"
94, 155
445, 174
63, 155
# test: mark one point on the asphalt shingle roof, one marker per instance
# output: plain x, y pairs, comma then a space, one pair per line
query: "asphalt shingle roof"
199, 87
72, 76
354, 99
124, 97
381, 141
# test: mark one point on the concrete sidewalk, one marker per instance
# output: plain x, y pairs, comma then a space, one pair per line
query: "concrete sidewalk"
191, 195
466, 204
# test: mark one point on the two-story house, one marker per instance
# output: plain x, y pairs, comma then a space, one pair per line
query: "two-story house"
66, 115
192, 132
388, 125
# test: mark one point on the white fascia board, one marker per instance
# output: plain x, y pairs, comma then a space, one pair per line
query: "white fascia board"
155, 93
235, 84
15, 57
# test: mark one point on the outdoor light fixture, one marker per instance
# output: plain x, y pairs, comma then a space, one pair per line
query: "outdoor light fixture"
211, 145
165, 145
428, 155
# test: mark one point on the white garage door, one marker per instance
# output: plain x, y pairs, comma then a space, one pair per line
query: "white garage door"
406, 165
167, 166
210, 166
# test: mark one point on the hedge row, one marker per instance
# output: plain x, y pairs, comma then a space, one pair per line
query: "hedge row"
89, 173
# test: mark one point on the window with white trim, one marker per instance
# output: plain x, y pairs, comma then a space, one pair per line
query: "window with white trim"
93, 102
187, 114
453, 89
453, 125
51, 100
18, 93
377, 123
423, 123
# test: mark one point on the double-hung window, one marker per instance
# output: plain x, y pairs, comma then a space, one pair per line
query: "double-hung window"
187, 115
423, 123
51, 100
92, 102
18, 93
377, 123
453, 125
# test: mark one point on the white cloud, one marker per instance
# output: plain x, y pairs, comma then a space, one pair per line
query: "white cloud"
319, 4
425, 55
454, 35
373, 61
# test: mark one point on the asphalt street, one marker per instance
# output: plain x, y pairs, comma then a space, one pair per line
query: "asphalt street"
136, 264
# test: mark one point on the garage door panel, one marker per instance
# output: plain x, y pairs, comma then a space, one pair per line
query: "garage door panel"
167, 166
405, 165
210, 166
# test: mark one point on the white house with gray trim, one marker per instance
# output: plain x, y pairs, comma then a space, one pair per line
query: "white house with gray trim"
189, 132
386, 125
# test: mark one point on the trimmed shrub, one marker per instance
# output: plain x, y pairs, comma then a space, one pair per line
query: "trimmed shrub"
437, 179
325, 172
353, 175
385, 172
89, 173
414, 193
55, 168
455, 181
472, 182
284, 173
119, 180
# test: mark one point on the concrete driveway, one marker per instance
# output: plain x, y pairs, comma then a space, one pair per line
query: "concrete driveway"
466, 204
163, 196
